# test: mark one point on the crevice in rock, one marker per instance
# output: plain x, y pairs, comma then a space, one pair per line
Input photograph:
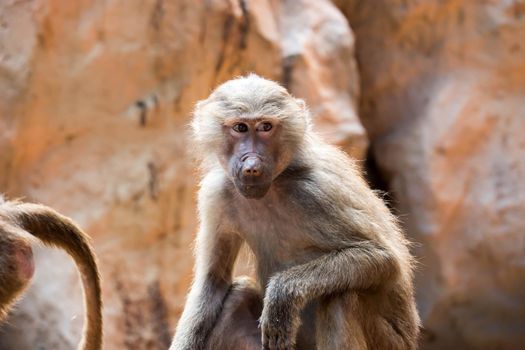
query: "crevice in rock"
288, 64
373, 174
153, 186
141, 105
245, 24
157, 15
225, 35
376, 180
159, 313
132, 315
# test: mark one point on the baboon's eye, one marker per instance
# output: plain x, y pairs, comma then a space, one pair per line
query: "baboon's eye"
266, 126
240, 127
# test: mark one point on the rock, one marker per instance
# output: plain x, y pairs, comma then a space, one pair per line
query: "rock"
319, 66
94, 101
443, 85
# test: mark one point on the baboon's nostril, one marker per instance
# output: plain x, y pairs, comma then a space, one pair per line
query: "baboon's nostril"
251, 172
252, 167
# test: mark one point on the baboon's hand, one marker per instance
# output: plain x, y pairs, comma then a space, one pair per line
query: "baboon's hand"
279, 320
276, 328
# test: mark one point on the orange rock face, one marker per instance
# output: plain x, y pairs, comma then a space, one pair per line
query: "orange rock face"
95, 98
443, 87
94, 103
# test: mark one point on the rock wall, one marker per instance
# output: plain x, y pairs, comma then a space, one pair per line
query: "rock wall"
443, 101
95, 97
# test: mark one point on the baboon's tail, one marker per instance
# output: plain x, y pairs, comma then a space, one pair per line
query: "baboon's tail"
57, 230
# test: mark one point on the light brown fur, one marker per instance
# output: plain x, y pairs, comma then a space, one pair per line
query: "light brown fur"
18, 221
333, 264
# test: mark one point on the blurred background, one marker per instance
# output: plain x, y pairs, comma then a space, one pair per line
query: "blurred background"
96, 95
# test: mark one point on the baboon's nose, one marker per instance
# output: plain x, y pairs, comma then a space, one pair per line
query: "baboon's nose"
252, 167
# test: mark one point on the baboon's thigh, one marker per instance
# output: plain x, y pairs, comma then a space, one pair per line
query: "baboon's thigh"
338, 324
238, 324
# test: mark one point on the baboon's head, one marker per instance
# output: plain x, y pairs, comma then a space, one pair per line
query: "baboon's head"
254, 126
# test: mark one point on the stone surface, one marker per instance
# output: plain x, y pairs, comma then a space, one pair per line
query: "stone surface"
319, 66
95, 97
443, 91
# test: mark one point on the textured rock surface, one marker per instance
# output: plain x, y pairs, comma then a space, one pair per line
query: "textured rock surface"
94, 101
95, 97
443, 87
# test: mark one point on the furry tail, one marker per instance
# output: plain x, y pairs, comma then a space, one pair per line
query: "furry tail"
57, 230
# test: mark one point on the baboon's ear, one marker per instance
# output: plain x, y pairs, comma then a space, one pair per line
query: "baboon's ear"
304, 112
300, 103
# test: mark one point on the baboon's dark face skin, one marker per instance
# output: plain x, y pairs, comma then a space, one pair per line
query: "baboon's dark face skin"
252, 153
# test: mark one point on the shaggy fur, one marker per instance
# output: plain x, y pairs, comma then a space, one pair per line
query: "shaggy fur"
333, 264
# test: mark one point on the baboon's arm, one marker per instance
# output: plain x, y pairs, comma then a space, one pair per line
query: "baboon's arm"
362, 265
216, 253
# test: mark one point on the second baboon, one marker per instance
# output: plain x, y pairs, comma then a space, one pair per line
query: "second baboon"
333, 265
18, 223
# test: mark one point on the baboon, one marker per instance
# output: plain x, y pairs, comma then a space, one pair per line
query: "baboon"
331, 260
18, 223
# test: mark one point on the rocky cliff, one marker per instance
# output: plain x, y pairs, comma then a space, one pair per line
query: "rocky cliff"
95, 97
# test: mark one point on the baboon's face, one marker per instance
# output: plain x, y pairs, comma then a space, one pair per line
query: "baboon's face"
251, 153
16, 268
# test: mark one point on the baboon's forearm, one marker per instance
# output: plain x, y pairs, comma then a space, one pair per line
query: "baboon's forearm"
212, 281
362, 266
200, 314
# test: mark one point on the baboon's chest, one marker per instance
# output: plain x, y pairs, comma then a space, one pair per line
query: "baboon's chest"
278, 234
